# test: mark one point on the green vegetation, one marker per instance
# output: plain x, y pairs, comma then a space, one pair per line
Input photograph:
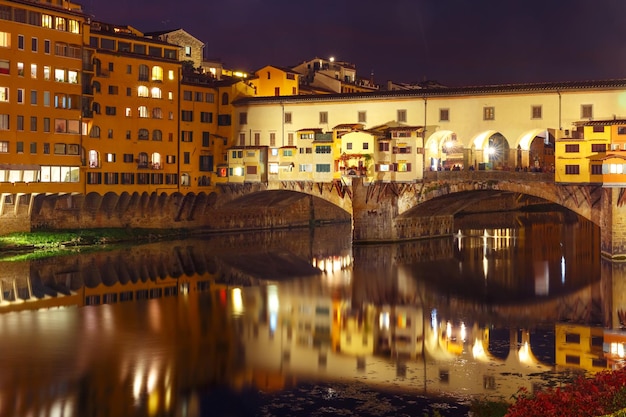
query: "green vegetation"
41, 244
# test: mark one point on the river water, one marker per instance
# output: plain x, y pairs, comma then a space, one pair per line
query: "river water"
301, 322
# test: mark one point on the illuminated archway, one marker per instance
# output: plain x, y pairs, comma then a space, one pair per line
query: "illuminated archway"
441, 147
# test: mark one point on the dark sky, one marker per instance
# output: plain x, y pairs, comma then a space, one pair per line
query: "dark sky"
456, 42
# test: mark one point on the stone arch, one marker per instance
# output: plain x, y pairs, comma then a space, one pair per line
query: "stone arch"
492, 150
536, 149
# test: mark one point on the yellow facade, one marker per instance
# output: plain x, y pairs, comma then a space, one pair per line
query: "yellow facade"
579, 347
132, 143
40, 97
275, 81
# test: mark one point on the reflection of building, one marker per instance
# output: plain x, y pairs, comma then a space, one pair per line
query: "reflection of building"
580, 347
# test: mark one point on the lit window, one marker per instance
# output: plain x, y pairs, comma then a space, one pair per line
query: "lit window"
157, 73
33, 71
72, 77
5, 39
170, 74
156, 92
73, 26
59, 23
46, 21
59, 75
20, 69
46, 73
143, 111
142, 91
4, 94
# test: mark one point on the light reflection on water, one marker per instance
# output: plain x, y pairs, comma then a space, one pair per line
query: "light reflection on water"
241, 325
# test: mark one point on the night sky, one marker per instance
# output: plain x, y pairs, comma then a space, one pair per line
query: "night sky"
456, 42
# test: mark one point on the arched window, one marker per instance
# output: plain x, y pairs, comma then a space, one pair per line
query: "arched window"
157, 73
142, 91
95, 132
155, 92
225, 99
143, 111
143, 134
184, 179
96, 107
96, 87
142, 160
143, 72
94, 159
157, 113
156, 160
157, 135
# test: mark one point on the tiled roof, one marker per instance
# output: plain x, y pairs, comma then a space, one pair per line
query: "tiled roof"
555, 87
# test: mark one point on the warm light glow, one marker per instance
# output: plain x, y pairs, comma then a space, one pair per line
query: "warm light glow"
463, 332
478, 351
237, 301
448, 330
332, 59
383, 321
524, 353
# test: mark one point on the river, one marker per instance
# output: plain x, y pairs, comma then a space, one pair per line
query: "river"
301, 322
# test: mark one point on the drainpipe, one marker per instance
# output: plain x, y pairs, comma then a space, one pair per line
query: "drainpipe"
424, 140
559, 93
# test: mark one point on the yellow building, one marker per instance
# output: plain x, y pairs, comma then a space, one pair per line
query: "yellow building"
132, 145
593, 152
198, 137
40, 97
275, 81
580, 347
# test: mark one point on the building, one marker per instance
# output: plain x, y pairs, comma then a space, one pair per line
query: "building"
275, 81
41, 125
330, 76
132, 112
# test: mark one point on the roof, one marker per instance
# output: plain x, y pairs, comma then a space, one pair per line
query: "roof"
605, 122
312, 129
284, 69
554, 87
349, 126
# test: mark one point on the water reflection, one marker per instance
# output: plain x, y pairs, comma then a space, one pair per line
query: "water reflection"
153, 329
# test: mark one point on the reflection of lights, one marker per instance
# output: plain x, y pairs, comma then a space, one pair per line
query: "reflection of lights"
237, 301
478, 351
491, 150
383, 320
273, 306
448, 330
617, 349
524, 353
562, 269
433, 319
463, 331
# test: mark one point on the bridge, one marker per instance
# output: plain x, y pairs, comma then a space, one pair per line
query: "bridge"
391, 211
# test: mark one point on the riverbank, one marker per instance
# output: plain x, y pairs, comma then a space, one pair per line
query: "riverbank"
50, 243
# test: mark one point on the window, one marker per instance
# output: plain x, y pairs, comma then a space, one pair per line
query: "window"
110, 110
535, 112
95, 132
209, 97
59, 23
206, 117
362, 117
46, 46
290, 139
224, 99
143, 111
113, 89
5, 66
34, 44
489, 113
143, 134
4, 122
206, 142
402, 116
155, 92
322, 167
157, 135
572, 169
242, 139
596, 169
143, 72
243, 118
186, 136
33, 71
20, 122
33, 97
46, 73
4, 146
46, 124
383, 146
5, 39
366, 146
4, 94
598, 129
186, 115
110, 134
20, 42
142, 91
33, 147
586, 111
444, 115
33, 123
287, 117
157, 73
598, 147
46, 98
20, 69
187, 95
186, 158
621, 130
323, 117
572, 148
272, 139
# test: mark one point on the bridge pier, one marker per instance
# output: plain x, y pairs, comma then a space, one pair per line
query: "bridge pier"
613, 224
377, 218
